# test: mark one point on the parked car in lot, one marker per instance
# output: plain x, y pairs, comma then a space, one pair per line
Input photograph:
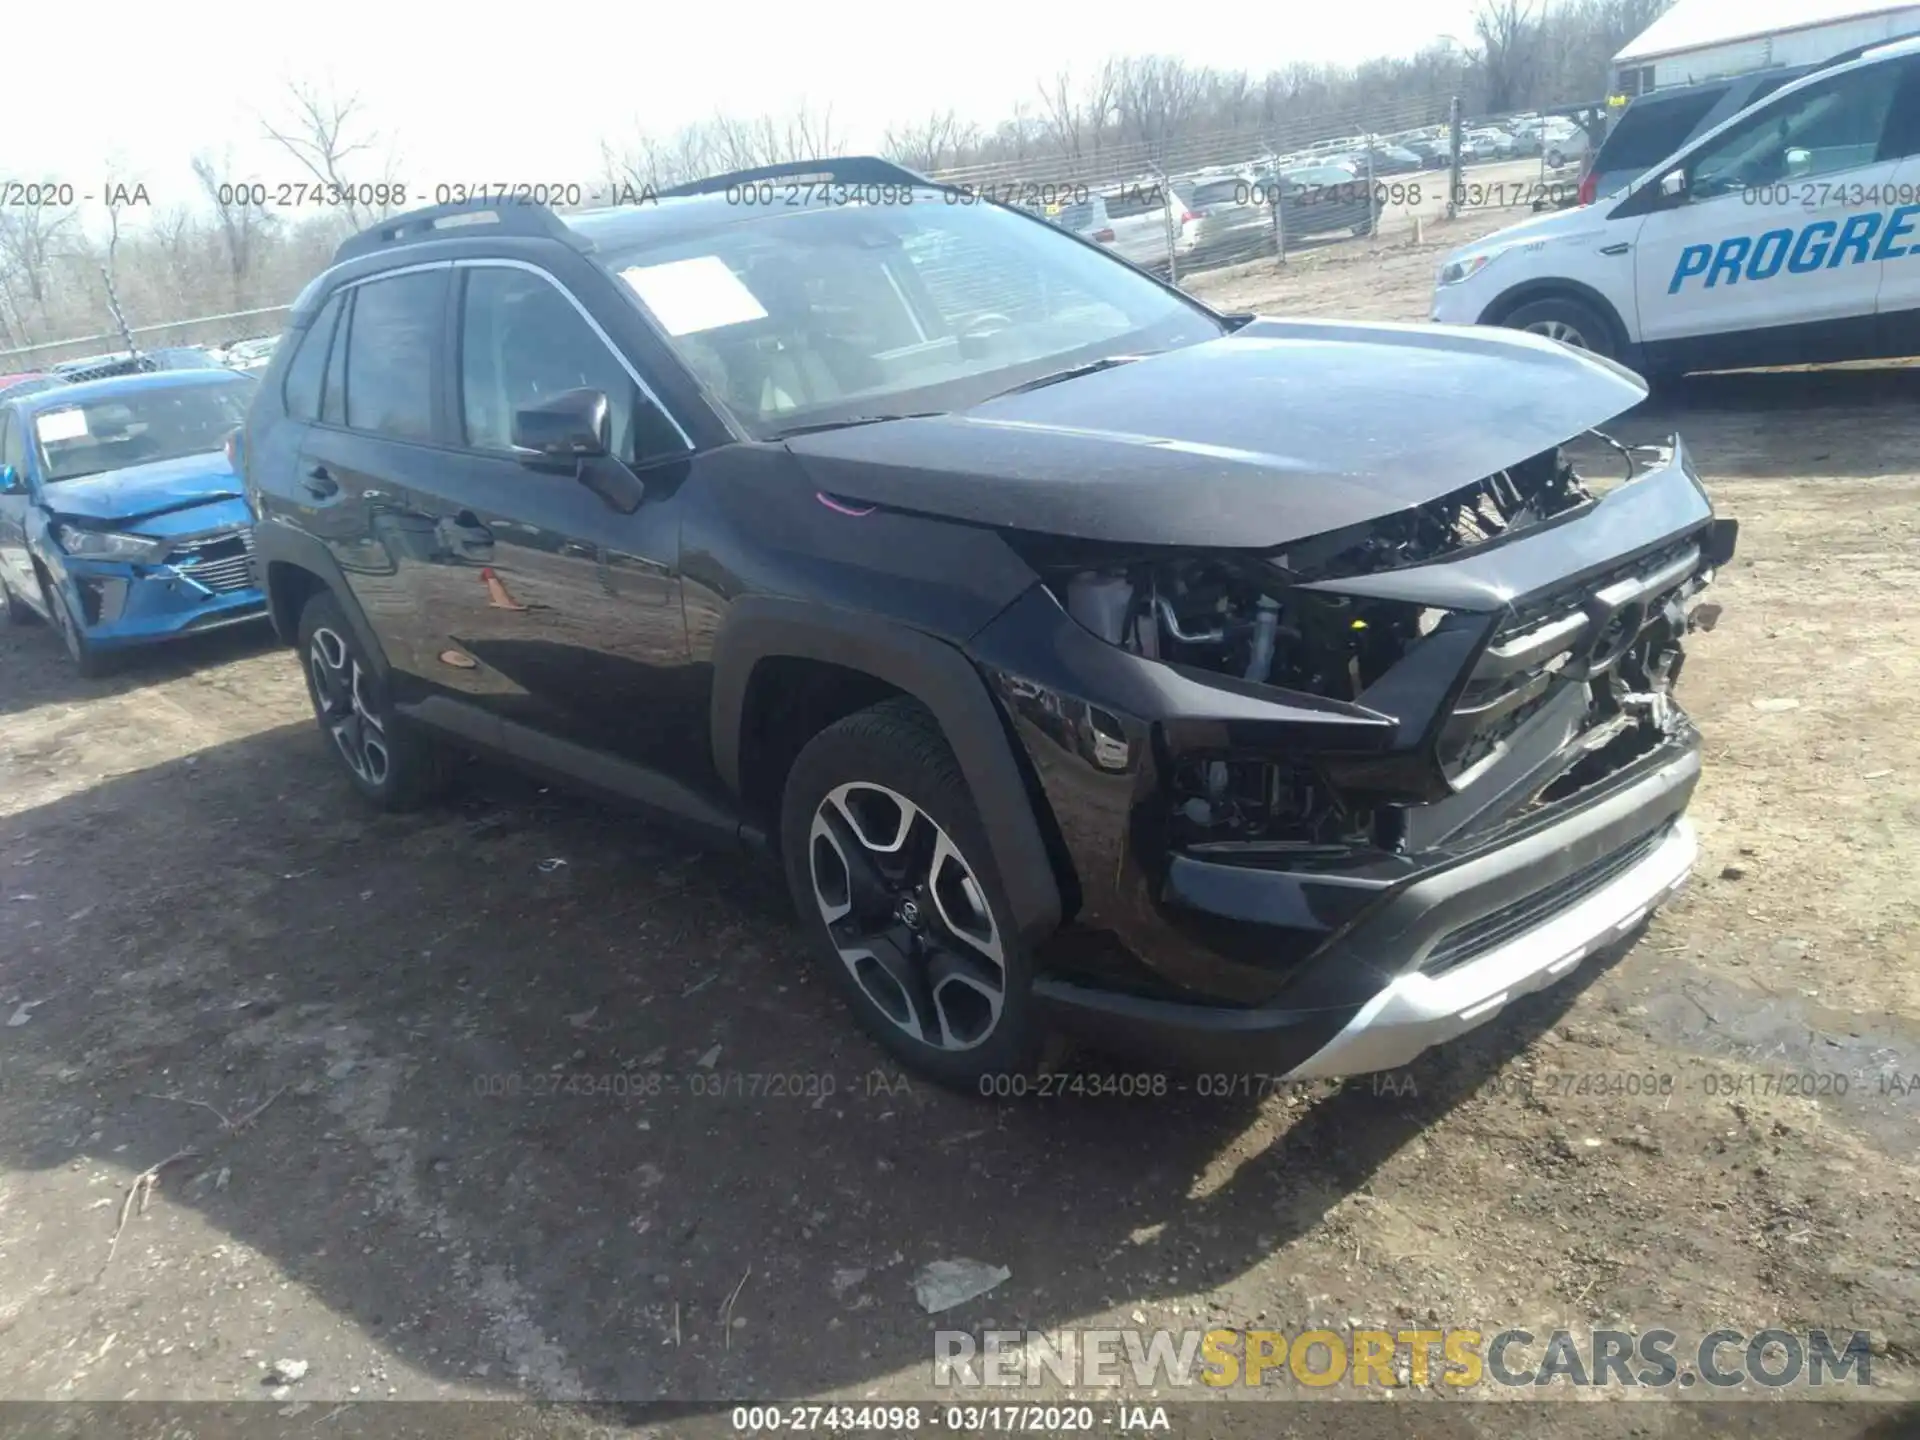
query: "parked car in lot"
1086, 218
1151, 219
1318, 200
1085, 656
121, 516
1486, 144
1784, 235
1234, 223
26, 383
1381, 160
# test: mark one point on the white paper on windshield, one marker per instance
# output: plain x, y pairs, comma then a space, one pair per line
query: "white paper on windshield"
687, 296
61, 425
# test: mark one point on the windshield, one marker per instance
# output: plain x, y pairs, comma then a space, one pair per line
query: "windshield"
138, 427
817, 315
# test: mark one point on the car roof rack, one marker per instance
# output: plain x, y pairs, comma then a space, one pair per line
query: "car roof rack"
494, 216
1845, 56
844, 170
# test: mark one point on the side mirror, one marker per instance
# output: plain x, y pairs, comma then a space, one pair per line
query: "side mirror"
574, 425
1673, 184
1799, 163
12, 482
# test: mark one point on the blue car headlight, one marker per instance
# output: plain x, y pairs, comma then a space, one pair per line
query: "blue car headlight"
108, 544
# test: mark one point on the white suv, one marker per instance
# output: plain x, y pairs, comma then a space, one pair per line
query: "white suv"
1790, 234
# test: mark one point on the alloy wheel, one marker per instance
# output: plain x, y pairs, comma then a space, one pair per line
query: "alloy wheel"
1559, 330
907, 915
339, 694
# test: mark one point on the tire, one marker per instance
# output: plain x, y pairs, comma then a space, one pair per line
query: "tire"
1570, 321
88, 661
387, 760
17, 611
886, 857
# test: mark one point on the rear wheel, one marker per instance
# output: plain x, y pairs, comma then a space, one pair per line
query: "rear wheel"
388, 761
892, 876
1571, 322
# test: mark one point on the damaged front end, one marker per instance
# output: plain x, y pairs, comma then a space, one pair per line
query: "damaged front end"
1264, 766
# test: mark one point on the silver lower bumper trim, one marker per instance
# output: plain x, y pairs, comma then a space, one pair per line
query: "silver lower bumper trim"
1415, 1011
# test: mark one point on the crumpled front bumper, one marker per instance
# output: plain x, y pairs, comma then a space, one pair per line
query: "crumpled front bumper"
137, 606
121, 603
1437, 953
1328, 964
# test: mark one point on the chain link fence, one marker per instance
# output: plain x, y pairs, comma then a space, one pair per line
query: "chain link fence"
207, 331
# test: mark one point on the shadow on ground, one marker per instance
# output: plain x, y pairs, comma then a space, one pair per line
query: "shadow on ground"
534, 1120
56, 682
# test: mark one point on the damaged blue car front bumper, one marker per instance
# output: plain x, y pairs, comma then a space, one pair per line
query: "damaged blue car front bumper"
204, 580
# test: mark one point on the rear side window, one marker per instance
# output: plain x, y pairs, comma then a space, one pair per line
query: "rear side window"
13, 446
390, 354
1220, 192
308, 368
1651, 130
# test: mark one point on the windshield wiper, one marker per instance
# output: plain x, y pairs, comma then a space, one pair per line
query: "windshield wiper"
813, 427
1074, 372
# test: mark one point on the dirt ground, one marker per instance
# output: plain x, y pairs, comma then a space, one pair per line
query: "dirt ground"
511, 1145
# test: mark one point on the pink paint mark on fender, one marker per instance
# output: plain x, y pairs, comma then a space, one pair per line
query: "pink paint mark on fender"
841, 506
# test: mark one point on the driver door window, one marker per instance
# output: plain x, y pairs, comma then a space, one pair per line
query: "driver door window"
1821, 131
522, 342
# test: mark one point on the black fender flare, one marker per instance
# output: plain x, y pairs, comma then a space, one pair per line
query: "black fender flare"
1554, 287
277, 544
933, 672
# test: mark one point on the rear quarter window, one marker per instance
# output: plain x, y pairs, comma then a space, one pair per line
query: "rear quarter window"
308, 368
1652, 129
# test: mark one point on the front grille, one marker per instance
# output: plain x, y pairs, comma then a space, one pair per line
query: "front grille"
1490, 932
221, 564
1523, 663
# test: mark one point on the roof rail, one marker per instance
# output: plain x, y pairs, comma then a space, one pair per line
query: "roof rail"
496, 217
846, 170
1858, 50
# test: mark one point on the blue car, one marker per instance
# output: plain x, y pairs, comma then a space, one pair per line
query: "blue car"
122, 517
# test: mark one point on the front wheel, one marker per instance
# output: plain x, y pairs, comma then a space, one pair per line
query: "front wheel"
88, 660
387, 760
892, 876
17, 611
1570, 321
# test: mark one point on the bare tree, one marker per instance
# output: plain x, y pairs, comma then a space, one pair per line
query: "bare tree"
241, 222
30, 236
1511, 39
323, 133
935, 143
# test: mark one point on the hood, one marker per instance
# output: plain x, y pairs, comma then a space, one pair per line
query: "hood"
1549, 225
1279, 431
140, 491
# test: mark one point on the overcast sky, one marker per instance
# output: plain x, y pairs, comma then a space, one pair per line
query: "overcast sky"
526, 93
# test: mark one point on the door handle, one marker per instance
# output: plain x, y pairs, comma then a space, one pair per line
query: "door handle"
319, 483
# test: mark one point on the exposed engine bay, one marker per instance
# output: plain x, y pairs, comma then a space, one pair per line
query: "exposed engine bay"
1242, 616
1592, 664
